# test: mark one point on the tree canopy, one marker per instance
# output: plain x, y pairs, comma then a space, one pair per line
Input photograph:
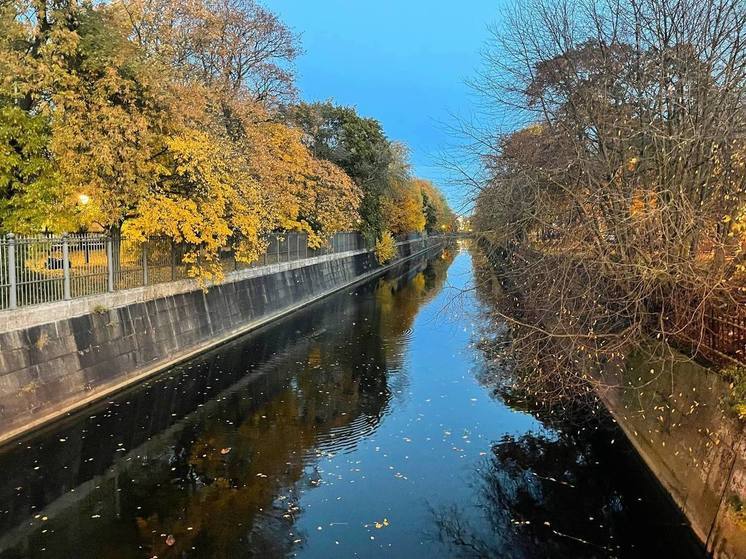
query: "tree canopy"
624, 180
393, 200
162, 118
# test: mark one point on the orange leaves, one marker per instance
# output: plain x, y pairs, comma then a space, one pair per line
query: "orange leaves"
332, 202
403, 210
301, 192
160, 117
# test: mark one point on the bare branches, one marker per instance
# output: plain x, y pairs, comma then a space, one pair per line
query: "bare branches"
627, 192
233, 44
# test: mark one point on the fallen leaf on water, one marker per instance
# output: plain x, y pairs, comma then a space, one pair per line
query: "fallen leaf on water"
380, 525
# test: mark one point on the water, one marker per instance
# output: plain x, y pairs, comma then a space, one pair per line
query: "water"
356, 427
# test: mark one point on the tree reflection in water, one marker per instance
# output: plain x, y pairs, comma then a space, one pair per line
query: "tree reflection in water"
210, 459
574, 489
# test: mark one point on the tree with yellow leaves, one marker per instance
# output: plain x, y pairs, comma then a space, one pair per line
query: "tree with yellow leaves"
104, 123
158, 118
89, 92
403, 209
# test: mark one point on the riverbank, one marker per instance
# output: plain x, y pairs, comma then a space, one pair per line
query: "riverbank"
57, 358
677, 414
679, 418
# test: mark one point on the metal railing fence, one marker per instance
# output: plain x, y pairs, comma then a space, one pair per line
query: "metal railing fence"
716, 332
46, 268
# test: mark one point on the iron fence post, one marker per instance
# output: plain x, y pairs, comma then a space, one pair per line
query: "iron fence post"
145, 263
12, 287
173, 260
65, 268
109, 265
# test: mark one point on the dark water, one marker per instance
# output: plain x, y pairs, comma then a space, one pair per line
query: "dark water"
354, 428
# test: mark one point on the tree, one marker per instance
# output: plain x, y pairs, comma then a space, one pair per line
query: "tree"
438, 215
356, 144
392, 200
158, 116
624, 178
233, 180
82, 103
232, 45
431, 216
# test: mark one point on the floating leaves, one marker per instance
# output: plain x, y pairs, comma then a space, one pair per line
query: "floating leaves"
383, 524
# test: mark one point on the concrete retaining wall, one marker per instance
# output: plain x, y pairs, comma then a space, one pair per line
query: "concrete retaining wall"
56, 358
677, 415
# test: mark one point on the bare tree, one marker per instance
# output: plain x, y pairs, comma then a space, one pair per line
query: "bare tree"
234, 44
620, 204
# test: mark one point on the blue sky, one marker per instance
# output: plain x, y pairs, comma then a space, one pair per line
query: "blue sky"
402, 62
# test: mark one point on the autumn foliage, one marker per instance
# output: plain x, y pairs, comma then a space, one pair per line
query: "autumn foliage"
162, 118
385, 248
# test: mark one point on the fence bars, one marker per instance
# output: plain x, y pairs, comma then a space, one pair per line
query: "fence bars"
36, 269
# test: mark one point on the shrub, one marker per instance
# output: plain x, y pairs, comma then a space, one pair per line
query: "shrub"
385, 248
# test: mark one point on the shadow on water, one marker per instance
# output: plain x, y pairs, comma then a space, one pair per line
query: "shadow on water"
580, 492
213, 453
301, 437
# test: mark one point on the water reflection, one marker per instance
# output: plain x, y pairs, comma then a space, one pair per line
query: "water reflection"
570, 487
565, 494
300, 439
210, 458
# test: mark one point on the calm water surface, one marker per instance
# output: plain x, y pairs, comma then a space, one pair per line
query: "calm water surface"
354, 428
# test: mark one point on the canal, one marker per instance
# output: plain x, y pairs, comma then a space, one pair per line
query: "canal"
360, 426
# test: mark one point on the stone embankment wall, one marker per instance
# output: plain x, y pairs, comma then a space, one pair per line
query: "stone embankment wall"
59, 357
678, 416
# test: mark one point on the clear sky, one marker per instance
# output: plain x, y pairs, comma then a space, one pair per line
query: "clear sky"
403, 62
